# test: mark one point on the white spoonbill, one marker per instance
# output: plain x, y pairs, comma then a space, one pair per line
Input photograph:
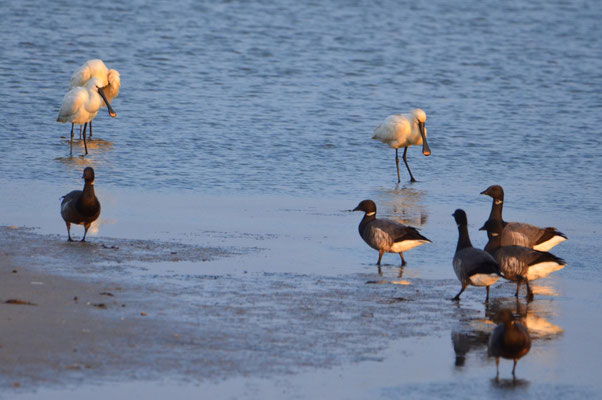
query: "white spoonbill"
401, 130
81, 104
97, 68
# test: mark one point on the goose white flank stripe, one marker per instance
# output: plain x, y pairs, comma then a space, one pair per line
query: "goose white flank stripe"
518, 233
385, 235
472, 266
400, 130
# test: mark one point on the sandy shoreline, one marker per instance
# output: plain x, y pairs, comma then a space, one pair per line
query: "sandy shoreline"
75, 328
93, 328
259, 298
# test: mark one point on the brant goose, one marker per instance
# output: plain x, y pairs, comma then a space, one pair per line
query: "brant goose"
97, 68
81, 207
519, 233
400, 130
509, 340
517, 263
81, 104
472, 266
385, 235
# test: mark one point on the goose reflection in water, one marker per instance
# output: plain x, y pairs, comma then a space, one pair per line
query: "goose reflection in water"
472, 334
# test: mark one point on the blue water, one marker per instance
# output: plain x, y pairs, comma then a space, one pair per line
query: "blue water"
252, 96
248, 98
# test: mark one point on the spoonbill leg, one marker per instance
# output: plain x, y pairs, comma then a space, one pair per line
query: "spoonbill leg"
397, 163
407, 166
85, 145
71, 142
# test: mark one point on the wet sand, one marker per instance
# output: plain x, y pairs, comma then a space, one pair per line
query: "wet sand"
289, 306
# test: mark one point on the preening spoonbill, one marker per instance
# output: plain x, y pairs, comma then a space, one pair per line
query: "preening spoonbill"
519, 233
386, 235
81, 104
509, 339
472, 266
81, 206
517, 263
97, 69
401, 130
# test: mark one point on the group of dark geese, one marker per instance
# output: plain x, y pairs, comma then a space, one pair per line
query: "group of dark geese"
516, 251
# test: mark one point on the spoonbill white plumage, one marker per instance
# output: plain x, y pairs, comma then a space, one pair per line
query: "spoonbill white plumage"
81, 104
402, 130
97, 69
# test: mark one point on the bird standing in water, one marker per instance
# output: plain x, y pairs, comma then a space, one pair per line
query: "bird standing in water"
386, 235
81, 206
401, 130
81, 104
518, 263
472, 266
520, 233
97, 69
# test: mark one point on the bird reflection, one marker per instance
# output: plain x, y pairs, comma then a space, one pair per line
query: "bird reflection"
472, 334
99, 145
509, 383
405, 204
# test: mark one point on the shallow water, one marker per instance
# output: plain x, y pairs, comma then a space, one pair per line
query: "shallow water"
248, 124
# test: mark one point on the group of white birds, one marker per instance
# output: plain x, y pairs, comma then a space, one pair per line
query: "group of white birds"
93, 86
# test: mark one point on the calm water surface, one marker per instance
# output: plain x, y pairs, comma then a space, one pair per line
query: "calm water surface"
249, 96
252, 98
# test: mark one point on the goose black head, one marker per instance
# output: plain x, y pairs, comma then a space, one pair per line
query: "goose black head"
88, 174
367, 206
493, 226
460, 217
495, 191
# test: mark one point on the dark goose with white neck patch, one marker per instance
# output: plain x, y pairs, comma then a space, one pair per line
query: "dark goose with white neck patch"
509, 340
519, 233
518, 263
472, 266
385, 235
81, 207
